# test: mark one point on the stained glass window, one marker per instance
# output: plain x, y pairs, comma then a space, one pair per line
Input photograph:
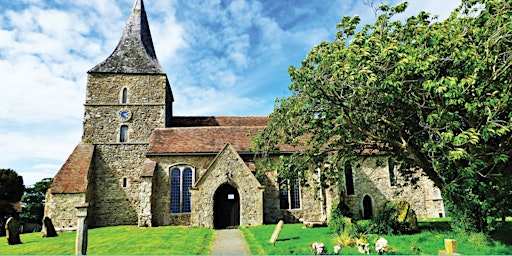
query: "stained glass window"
175, 190
187, 183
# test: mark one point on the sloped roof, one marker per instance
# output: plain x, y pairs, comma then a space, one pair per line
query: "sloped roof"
135, 53
200, 139
195, 121
72, 176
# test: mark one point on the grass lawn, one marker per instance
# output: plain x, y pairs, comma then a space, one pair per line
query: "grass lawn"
294, 239
127, 240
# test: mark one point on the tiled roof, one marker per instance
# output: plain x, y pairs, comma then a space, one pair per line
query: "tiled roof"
195, 121
200, 139
135, 52
203, 140
72, 176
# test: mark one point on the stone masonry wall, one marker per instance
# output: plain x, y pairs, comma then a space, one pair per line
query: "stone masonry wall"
148, 100
313, 204
373, 180
114, 204
62, 210
161, 186
228, 168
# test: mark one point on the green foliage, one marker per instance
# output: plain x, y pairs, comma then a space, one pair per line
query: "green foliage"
33, 201
386, 222
121, 240
435, 95
11, 190
340, 220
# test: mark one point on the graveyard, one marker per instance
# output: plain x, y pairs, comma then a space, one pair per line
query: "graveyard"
294, 239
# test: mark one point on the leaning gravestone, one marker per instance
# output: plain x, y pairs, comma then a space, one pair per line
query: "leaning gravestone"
12, 228
48, 228
278, 229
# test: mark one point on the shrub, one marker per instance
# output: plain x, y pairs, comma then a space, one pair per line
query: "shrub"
340, 220
365, 226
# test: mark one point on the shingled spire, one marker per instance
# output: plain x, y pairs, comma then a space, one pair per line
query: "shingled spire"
135, 52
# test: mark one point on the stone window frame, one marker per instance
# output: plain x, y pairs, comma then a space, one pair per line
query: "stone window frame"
290, 194
182, 168
124, 131
124, 95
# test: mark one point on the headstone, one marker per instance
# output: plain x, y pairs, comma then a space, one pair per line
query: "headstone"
48, 228
81, 232
12, 228
450, 247
277, 231
405, 215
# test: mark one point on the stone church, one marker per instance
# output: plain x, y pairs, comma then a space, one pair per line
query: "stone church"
138, 164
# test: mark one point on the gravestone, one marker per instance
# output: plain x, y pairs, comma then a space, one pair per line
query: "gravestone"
277, 231
48, 228
450, 247
12, 228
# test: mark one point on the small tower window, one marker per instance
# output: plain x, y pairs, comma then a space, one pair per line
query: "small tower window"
124, 97
123, 134
125, 182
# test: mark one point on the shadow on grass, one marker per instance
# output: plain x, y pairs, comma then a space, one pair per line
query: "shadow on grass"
435, 226
503, 234
288, 239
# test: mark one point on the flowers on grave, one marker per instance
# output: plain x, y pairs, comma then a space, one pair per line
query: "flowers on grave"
381, 245
363, 246
337, 248
318, 248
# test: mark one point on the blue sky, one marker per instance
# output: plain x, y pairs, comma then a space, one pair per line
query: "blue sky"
222, 57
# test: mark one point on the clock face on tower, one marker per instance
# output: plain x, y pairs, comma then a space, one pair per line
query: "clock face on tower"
125, 114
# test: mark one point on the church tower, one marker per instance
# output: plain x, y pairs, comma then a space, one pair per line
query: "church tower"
128, 96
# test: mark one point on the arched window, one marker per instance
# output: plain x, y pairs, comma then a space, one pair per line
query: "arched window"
123, 133
181, 179
367, 208
349, 180
175, 190
392, 172
124, 96
187, 184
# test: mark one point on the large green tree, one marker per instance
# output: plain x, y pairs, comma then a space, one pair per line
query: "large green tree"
11, 191
33, 201
435, 95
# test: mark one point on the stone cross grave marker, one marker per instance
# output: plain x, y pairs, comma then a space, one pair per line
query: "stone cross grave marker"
12, 228
48, 228
277, 231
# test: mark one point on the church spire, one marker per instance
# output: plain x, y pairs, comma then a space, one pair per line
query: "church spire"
135, 52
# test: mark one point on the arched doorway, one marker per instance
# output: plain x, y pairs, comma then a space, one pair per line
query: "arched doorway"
367, 208
226, 208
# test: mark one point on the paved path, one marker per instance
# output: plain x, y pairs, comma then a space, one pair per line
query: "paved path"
229, 241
